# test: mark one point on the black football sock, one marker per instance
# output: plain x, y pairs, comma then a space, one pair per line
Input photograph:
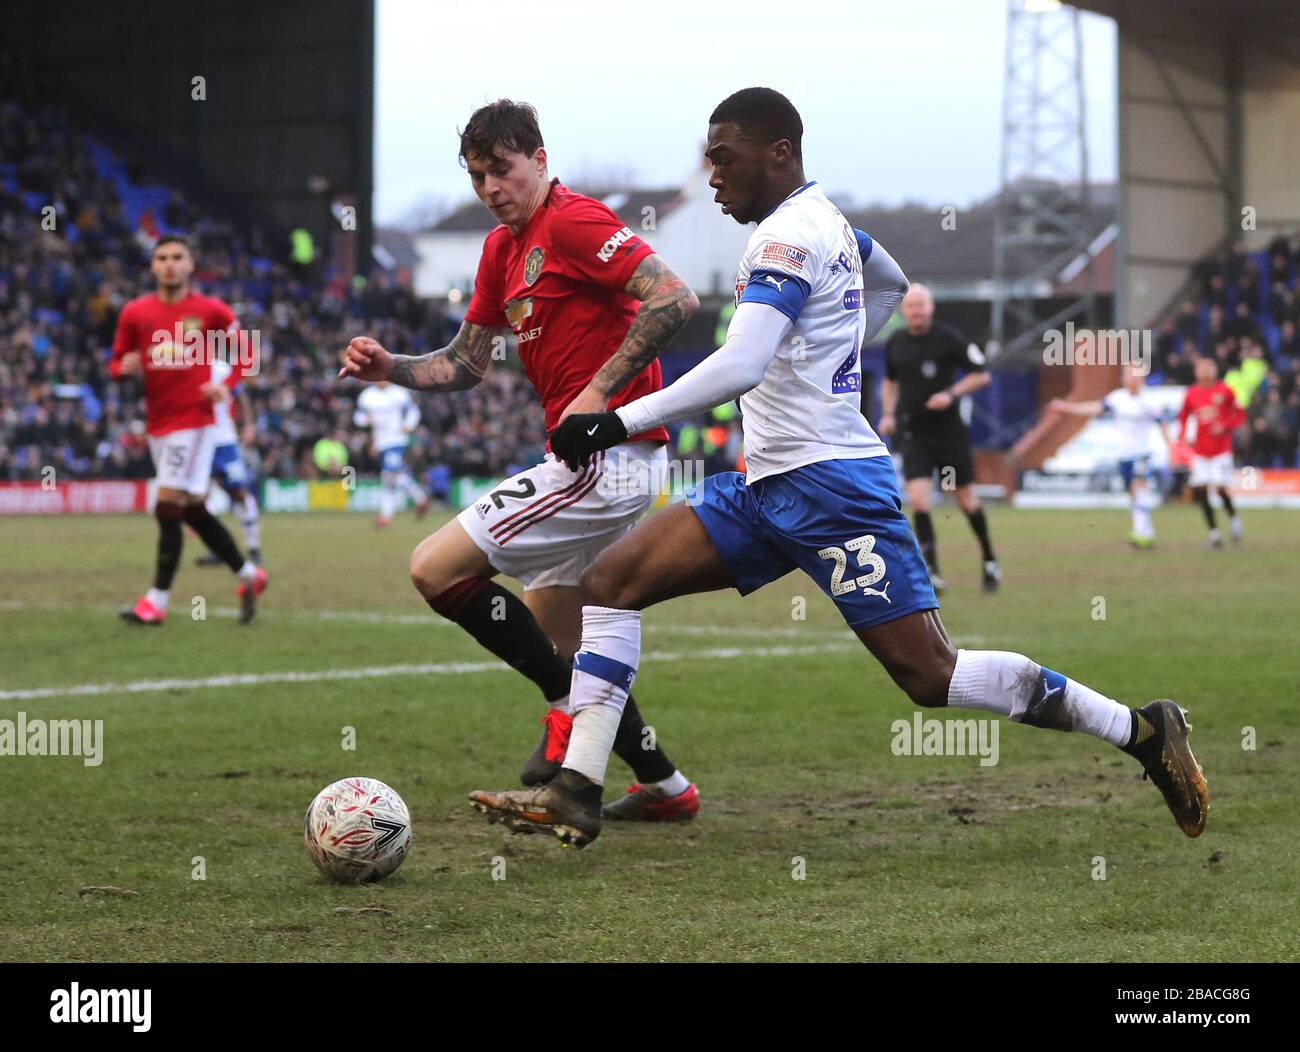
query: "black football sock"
1227, 503
503, 625
640, 750
980, 525
925, 534
1203, 495
587, 791
215, 536
170, 539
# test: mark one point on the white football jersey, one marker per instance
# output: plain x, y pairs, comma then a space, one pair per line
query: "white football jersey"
1134, 415
389, 412
224, 428
804, 259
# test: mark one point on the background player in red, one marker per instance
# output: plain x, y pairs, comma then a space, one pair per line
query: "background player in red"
1217, 414
591, 306
166, 337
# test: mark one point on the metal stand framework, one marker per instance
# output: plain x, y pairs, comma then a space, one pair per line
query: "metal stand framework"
1042, 211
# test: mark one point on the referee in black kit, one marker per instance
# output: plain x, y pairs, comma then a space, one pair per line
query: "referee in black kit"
919, 402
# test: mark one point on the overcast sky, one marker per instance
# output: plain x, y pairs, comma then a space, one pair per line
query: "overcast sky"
899, 101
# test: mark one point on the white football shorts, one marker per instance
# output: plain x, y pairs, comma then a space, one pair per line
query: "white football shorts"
1212, 471
182, 460
546, 525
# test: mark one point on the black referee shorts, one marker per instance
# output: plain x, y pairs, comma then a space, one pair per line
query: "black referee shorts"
926, 451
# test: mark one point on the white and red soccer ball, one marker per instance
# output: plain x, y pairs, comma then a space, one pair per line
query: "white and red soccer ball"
357, 830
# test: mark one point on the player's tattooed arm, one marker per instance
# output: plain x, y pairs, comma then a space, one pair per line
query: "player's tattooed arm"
459, 365
667, 303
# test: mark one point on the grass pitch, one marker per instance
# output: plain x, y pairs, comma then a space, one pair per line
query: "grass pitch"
785, 724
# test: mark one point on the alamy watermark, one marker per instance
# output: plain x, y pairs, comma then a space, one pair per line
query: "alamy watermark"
931, 737
188, 344
75, 1005
24, 737
627, 475
1069, 346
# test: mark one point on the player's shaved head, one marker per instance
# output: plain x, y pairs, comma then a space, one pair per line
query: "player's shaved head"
918, 309
763, 116
755, 145
918, 292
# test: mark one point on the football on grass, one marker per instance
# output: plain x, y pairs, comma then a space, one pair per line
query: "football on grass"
357, 830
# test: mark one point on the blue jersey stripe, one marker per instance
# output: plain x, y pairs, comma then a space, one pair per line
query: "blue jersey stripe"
785, 292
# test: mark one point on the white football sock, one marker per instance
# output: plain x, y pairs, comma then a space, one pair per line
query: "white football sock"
1016, 687
674, 785
413, 489
248, 518
158, 596
387, 499
248, 571
603, 671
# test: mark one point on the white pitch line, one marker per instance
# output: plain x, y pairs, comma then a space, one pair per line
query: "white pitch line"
381, 671
376, 618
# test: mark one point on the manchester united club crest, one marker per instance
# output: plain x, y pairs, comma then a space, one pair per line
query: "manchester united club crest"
533, 265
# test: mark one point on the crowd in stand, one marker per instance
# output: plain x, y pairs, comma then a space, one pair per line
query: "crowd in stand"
1246, 314
74, 250
71, 257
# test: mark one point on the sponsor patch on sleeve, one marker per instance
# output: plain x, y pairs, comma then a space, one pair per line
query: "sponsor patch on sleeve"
786, 257
612, 244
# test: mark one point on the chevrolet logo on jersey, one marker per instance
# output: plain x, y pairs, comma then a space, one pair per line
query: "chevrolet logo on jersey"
167, 355
517, 311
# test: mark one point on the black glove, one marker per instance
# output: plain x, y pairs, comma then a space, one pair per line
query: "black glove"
582, 434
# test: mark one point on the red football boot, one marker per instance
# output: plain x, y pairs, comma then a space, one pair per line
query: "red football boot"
248, 596
640, 806
143, 613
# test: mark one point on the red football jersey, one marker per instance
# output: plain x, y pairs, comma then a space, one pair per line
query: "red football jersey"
174, 370
559, 286
1217, 415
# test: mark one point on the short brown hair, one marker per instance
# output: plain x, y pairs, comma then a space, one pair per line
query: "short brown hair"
501, 125
171, 239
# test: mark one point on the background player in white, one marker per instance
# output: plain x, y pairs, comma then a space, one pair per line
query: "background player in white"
392, 415
1137, 415
821, 496
230, 470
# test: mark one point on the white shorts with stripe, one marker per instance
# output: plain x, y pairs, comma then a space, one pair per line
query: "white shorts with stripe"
182, 460
546, 525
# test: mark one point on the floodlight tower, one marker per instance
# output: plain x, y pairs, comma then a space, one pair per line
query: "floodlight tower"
1042, 211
